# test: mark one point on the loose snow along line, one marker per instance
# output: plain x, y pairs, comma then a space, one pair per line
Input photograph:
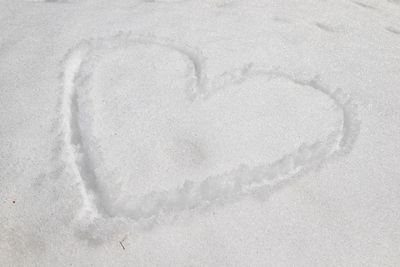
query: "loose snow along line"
231, 186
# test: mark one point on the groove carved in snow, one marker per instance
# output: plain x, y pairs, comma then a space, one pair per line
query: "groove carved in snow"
79, 151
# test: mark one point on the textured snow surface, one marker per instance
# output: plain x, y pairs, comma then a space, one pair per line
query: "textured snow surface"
199, 133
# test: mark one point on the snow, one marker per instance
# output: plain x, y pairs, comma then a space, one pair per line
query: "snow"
199, 133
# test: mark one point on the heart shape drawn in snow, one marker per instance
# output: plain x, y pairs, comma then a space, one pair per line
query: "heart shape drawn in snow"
147, 135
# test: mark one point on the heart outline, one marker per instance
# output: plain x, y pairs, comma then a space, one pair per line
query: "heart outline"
230, 186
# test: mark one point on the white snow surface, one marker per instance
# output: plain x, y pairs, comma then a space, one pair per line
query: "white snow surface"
199, 133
